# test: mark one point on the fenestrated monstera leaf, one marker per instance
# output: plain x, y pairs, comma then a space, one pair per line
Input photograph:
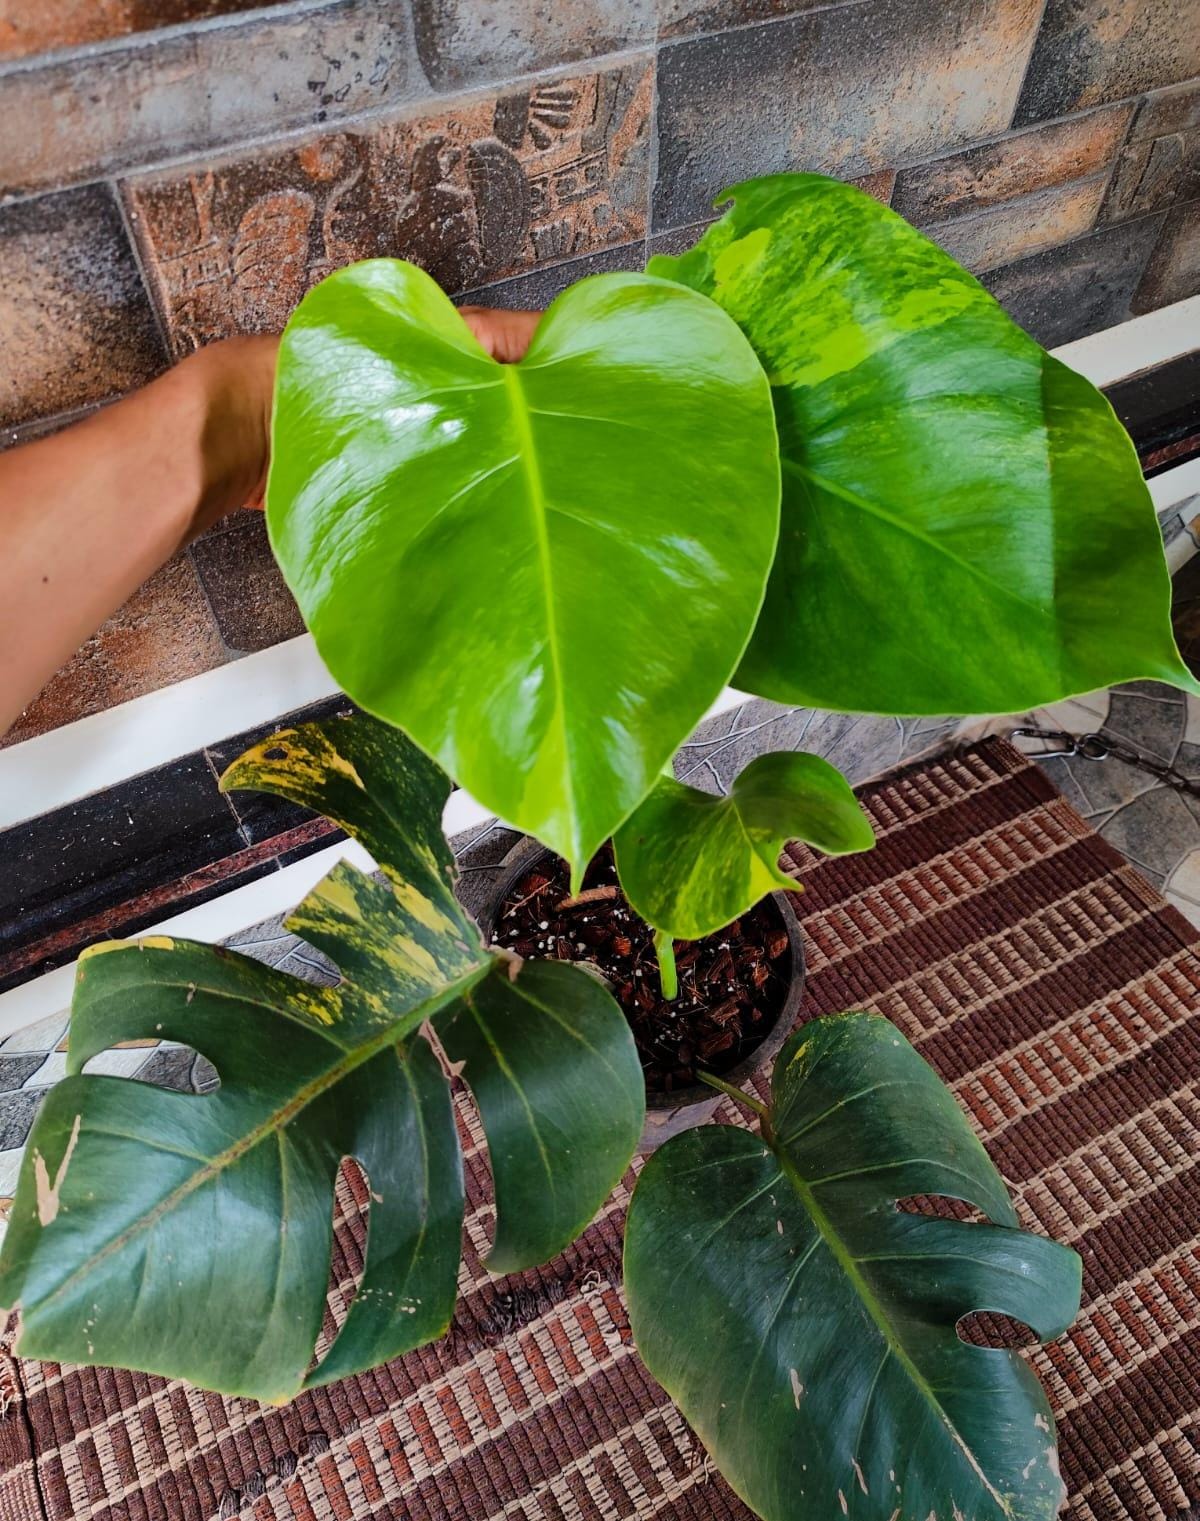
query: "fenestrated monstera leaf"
690, 862
806, 1327
544, 572
965, 525
190, 1235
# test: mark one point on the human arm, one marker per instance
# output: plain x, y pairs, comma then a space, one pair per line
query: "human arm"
90, 513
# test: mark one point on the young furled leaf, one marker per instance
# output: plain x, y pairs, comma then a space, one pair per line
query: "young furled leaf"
691, 862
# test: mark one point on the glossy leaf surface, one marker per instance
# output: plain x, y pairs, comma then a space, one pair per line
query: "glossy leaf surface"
965, 525
190, 1235
691, 862
807, 1328
544, 572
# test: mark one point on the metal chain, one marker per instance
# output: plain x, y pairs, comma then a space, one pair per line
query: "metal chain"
1101, 747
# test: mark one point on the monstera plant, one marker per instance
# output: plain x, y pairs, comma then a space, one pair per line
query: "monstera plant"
814, 457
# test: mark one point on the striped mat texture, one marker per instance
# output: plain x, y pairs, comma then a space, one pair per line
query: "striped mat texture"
1047, 983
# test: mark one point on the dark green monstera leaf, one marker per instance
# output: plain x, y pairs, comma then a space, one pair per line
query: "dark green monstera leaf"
965, 525
690, 862
190, 1235
806, 1327
544, 572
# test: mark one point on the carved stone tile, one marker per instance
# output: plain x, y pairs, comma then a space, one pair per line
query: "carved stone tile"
536, 290
1079, 287
680, 18
165, 633
485, 189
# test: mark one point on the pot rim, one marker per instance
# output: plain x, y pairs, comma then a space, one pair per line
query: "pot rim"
528, 850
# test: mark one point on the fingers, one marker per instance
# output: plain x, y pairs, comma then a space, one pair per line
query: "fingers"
504, 334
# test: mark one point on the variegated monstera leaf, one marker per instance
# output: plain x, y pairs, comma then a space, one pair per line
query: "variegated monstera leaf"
807, 1327
190, 1235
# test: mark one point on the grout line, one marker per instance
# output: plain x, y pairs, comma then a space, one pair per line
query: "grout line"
149, 286
652, 147
1035, 34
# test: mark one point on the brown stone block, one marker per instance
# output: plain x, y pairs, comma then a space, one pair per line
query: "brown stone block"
1014, 166
1022, 227
75, 324
848, 90
880, 186
1078, 288
1173, 273
245, 588
1175, 110
1160, 164
37, 26
473, 42
164, 633
102, 112
1092, 51
487, 188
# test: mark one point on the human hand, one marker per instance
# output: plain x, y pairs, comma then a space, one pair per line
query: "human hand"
504, 334
235, 378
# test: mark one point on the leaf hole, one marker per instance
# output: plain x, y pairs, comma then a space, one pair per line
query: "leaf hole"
275, 753
179, 1068
351, 1211
984, 1328
941, 1206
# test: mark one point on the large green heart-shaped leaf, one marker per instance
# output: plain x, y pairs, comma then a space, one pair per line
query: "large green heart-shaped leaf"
690, 862
190, 1235
965, 525
806, 1327
543, 571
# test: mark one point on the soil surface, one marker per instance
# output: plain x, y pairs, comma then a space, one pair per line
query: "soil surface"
732, 986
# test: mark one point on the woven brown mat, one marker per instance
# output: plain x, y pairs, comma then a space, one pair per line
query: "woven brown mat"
1047, 983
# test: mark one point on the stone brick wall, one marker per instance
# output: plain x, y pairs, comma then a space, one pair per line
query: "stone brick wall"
174, 170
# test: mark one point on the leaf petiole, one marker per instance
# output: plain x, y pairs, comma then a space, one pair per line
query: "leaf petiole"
664, 947
738, 1094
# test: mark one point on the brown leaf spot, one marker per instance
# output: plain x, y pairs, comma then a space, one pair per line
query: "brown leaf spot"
47, 1192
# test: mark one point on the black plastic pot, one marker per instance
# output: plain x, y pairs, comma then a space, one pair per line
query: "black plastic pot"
669, 1113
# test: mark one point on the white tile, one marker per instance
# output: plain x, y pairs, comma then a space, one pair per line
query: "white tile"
52, 1070
42, 1036
120, 1063
10, 1166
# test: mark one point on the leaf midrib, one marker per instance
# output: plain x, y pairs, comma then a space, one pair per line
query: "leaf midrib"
274, 1123
873, 509
536, 494
849, 1264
